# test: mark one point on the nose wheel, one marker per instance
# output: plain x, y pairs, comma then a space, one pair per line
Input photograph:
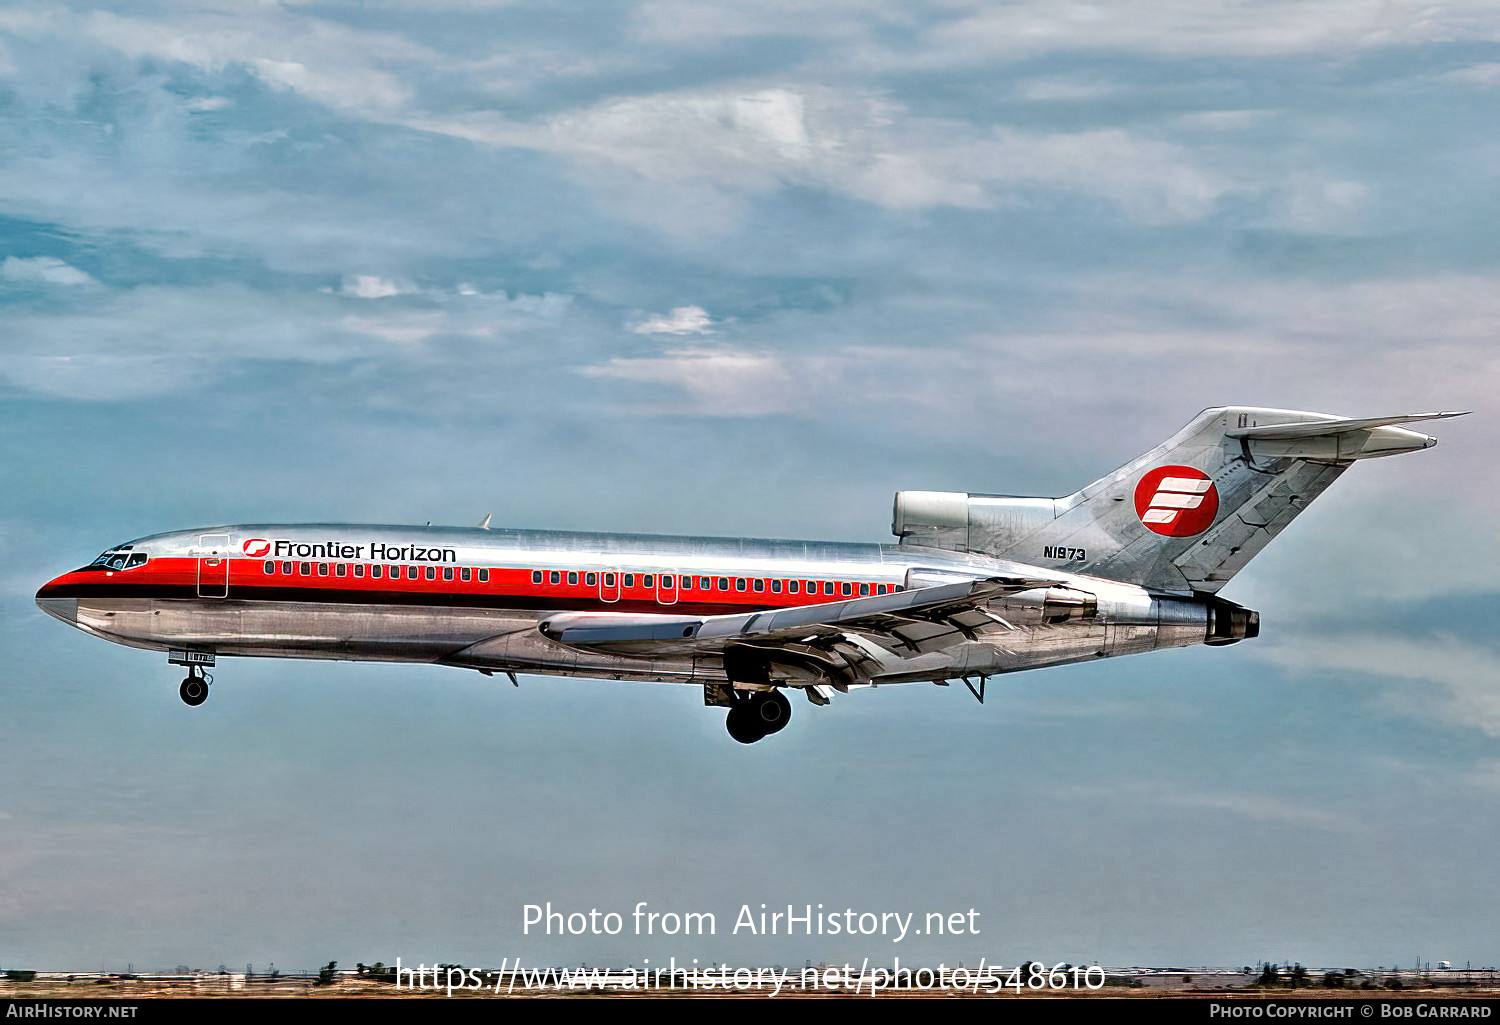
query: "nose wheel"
194, 690
758, 716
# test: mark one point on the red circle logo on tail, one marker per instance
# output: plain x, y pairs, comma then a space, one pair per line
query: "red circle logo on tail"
256, 547
1176, 501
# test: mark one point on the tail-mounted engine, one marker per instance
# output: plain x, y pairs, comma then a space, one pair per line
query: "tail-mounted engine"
1228, 622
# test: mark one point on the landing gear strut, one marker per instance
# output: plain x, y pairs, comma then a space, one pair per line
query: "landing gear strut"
194, 690
757, 716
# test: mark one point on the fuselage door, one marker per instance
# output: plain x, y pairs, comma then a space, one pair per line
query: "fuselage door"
609, 585
213, 565
666, 588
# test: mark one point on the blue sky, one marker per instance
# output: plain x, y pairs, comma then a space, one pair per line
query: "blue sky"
746, 269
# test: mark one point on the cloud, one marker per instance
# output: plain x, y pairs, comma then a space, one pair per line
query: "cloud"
859, 144
1485, 775
156, 339
333, 64
1189, 27
718, 382
1221, 120
682, 320
964, 31
1484, 75
1189, 339
1066, 88
45, 270
686, 23
1258, 807
1455, 678
370, 286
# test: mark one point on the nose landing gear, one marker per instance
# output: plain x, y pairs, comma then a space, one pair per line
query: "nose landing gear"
758, 716
194, 690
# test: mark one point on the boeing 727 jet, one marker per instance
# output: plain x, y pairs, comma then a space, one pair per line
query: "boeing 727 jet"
976, 585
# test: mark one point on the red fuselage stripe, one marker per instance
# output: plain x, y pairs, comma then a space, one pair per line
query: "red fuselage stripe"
247, 579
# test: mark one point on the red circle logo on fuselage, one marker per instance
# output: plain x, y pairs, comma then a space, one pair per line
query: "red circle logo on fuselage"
256, 547
1176, 501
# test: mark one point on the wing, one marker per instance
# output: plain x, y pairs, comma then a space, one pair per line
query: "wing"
837, 643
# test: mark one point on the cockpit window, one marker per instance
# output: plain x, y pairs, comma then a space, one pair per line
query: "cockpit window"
118, 559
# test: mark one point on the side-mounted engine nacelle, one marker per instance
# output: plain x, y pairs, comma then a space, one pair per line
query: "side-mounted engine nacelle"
1228, 622
960, 522
1183, 622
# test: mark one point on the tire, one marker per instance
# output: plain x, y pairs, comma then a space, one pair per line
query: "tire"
743, 724
194, 690
773, 711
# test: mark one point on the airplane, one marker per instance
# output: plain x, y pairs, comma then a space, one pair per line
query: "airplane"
976, 585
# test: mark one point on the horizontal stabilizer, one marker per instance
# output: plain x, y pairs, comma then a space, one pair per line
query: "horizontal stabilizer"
1337, 425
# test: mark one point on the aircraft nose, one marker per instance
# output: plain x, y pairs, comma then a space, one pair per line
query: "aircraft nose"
65, 609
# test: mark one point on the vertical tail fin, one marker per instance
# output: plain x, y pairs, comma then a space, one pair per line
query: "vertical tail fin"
1185, 516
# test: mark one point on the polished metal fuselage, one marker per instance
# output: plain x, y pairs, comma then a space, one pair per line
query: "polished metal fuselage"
501, 633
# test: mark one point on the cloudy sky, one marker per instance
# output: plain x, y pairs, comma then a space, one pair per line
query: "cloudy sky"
747, 269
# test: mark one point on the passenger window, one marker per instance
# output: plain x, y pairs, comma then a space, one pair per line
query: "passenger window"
555, 577
848, 588
573, 578
536, 576
776, 587
411, 572
609, 580
760, 585
340, 570
864, 589
723, 583
591, 579
270, 569
484, 576
447, 572
359, 570
880, 589
666, 582
307, 569
322, 569
465, 574
828, 587
649, 580
629, 579
704, 584
395, 573
793, 586
739, 583
376, 571
431, 572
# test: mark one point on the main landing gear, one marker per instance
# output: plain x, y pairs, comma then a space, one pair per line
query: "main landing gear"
194, 690
758, 715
